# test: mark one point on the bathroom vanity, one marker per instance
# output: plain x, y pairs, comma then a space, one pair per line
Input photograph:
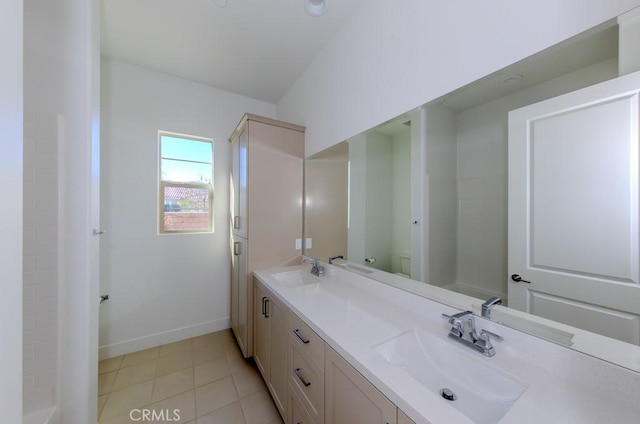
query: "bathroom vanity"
360, 351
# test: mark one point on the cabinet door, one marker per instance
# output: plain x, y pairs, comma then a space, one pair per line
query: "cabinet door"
351, 398
278, 353
239, 184
274, 186
239, 287
261, 332
403, 419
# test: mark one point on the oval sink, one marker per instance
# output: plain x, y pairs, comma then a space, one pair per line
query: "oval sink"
477, 390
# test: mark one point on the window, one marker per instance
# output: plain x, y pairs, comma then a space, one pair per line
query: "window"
186, 184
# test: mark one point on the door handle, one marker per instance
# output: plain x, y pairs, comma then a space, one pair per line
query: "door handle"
301, 377
264, 306
518, 279
302, 338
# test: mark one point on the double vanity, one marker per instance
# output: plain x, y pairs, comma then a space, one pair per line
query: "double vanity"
344, 348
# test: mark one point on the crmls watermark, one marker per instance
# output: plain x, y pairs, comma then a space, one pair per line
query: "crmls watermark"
153, 415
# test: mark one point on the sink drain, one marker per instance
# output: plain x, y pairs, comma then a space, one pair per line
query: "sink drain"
448, 394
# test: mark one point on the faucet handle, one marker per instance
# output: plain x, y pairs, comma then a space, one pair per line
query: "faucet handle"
484, 334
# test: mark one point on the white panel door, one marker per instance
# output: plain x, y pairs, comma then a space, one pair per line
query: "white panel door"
573, 209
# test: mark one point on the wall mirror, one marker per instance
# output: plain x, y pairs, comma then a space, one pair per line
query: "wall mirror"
424, 198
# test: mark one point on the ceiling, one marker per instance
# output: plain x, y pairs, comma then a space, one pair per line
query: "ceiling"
257, 48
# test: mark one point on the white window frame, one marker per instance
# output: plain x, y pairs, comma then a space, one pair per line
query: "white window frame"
163, 183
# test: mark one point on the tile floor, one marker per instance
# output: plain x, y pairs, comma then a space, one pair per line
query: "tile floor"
205, 378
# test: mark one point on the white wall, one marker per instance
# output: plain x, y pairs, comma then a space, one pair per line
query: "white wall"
440, 45
11, 103
441, 196
60, 320
78, 27
356, 234
400, 198
378, 201
370, 228
41, 106
482, 178
629, 33
170, 287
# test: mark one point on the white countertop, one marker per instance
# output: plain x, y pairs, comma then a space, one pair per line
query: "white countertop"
353, 314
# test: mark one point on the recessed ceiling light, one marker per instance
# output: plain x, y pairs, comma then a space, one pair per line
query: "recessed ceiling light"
315, 7
512, 79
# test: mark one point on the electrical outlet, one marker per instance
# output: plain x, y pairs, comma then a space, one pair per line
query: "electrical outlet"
298, 244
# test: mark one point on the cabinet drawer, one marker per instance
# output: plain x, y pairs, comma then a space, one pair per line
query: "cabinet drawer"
306, 339
297, 412
306, 380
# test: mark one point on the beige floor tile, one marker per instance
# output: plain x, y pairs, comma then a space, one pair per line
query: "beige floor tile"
172, 384
206, 340
177, 347
259, 409
172, 363
105, 382
239, 364
208, 353
228, 337
230, 414
211, 371
135, 374
233, 351
215, 395
101, 401
122, 401
111, 364
139, 357
181, 408
248, 382
229, 389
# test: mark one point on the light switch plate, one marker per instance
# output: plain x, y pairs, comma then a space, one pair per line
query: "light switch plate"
307, 243
298, 244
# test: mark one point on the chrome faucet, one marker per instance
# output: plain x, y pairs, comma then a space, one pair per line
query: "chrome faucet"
488, 305
463, 326
463, 330
316, 268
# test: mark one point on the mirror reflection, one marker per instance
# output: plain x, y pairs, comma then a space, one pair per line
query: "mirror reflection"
426, 195
358, 200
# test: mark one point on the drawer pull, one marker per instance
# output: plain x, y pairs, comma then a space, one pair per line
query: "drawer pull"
304, 380
302, 338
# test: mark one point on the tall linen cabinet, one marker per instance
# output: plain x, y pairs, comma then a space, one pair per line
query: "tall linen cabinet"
266, 220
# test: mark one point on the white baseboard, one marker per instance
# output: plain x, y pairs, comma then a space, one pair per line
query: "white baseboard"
45, 416
133, 345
